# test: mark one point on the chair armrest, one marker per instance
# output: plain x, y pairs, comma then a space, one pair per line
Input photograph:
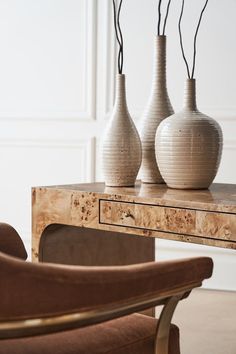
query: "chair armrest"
10, 242
46, 325
31, 290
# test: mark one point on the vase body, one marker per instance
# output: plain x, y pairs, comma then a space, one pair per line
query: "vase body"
121, 148
158, 108
189, 146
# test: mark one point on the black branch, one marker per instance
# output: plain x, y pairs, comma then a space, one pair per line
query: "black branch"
119, 35
159, 18
166, 17
195, 40
181, 39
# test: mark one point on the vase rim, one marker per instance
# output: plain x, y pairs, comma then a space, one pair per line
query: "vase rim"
160, 37
190, 79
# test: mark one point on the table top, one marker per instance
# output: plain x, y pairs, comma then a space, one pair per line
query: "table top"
197, 216
219, 197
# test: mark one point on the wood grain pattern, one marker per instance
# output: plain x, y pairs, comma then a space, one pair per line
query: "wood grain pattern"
206, 217
167, 219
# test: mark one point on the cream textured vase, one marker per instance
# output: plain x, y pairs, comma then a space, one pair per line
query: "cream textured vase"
121, 149
189, 146
158, 108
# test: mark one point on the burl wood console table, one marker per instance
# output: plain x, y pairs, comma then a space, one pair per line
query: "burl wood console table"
90, 224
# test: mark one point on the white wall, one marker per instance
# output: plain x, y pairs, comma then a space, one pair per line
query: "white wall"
57, 87
47, 100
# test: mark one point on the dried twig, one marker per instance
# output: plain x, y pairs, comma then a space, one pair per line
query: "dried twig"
181, 39
159, 18
166, 16
119, 36
195, 40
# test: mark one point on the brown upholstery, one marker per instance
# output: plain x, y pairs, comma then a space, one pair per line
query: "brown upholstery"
10, 242
44, 290
132, 334
63, 289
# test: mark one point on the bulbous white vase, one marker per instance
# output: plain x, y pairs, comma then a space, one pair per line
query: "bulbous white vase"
189, 146
121, 148
158, 108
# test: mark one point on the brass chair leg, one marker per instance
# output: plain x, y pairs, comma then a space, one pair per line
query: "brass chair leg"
163, 328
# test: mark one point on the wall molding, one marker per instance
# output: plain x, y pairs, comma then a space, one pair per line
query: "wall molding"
87, 147
88, 111
91, 59
106, 60
111, 51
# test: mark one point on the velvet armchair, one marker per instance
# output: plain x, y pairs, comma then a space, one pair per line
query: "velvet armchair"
48, 308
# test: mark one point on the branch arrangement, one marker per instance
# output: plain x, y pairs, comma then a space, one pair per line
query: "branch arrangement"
190, 76
119, 36
159, 18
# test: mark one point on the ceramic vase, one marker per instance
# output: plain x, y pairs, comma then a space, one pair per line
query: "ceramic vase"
121, 148
189, 146
158, 108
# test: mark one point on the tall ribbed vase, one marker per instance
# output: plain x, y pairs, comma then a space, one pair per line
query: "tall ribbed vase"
189, 146
158, 108
121, 149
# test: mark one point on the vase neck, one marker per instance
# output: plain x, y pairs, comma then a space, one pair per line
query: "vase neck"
190, 95
159, 68
120, 98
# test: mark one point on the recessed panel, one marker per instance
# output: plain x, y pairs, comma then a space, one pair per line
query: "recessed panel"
44, 65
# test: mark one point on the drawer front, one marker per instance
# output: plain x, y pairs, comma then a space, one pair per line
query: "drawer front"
168, 219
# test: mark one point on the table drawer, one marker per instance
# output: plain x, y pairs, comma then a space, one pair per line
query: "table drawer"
168, 219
